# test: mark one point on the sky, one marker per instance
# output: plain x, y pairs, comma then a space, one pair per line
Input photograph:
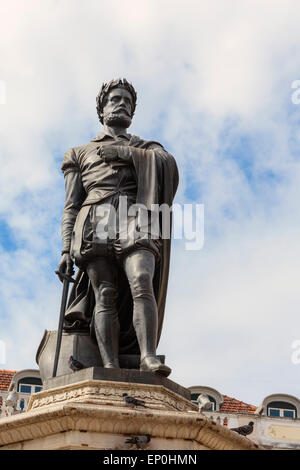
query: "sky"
215, 86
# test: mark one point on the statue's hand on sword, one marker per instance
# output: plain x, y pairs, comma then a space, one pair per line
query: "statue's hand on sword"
65, 267
65, 272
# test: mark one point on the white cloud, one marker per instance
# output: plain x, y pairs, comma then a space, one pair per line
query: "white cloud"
207, 74
238, 313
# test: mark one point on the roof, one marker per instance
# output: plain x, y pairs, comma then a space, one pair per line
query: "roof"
5, 378
231, 405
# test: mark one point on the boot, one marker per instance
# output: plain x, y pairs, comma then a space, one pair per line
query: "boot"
153, 364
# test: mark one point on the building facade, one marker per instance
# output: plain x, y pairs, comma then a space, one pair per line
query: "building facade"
16, 388
276, 420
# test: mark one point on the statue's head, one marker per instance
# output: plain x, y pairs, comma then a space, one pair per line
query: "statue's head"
116, 103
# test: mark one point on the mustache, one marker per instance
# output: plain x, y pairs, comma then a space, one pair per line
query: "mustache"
123, 110
114, 117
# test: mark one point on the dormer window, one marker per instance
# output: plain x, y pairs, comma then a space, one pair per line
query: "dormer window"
281, 409
213, 395
29, 385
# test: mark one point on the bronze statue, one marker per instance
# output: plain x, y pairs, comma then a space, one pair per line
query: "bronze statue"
121, 284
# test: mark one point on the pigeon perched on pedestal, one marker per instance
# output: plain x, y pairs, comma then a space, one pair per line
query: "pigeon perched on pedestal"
139, 441
133, 402
74, 364
244, 430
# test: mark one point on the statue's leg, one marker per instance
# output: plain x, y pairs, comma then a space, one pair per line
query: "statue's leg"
102, 274
139, 266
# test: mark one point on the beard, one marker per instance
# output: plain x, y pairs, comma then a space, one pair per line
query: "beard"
120, 119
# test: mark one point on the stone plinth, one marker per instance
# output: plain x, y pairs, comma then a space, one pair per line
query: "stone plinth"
82, 347
91, 414
98, 385
125, 376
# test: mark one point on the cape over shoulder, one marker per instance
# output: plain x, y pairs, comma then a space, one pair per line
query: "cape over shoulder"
137, 141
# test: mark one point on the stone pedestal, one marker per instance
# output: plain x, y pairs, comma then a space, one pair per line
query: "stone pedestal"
82, 347
91, 414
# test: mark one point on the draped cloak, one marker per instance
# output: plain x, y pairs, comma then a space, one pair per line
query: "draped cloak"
157, 180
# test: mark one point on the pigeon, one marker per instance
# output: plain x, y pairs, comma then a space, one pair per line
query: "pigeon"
74, 364
139, 441
244, 430
133, 402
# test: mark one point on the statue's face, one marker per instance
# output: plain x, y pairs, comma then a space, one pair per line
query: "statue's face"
118, 108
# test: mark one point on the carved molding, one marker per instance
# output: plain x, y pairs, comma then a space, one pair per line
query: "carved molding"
189, 430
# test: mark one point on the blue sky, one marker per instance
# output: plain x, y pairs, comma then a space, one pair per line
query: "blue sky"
214, 86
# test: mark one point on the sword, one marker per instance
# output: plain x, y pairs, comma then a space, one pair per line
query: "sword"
66, 282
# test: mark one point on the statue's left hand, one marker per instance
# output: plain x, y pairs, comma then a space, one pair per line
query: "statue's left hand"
108, 153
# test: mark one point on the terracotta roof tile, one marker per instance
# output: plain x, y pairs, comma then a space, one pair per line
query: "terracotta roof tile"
5, 378
231, 405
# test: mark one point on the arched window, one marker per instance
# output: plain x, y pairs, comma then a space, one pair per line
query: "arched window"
214, 396
29, 385
281, 409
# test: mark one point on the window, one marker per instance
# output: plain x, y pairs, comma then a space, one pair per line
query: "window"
282, 413
25, 388
282, 409
274, 412
29, 385
194, 397
289, 413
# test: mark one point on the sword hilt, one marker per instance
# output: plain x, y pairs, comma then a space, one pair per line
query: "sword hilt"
64, 276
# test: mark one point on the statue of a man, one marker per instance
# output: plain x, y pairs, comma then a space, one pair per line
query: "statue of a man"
121, 283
